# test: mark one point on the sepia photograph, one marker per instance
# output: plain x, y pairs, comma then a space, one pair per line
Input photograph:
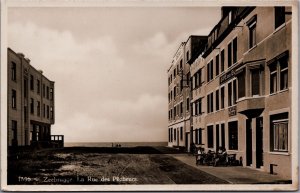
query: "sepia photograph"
149, 95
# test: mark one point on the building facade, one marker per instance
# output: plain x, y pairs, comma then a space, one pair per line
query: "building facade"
30, 103
241, 88
179, 94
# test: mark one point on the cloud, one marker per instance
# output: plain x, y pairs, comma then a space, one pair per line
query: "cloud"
100, 94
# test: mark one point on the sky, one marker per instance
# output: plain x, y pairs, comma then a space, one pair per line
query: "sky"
109, 64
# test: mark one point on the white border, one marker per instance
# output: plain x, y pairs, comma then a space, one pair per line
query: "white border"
146, 3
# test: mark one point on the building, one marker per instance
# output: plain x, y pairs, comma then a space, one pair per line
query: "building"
179, 91
31, 104
241, 88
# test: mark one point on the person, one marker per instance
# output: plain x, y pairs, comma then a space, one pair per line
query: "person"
221, 156
200, 156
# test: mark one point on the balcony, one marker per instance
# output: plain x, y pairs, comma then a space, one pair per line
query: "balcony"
251, 106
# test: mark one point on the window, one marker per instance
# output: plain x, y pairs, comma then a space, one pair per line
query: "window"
232, 93
217, 100
255, 82
51, 113
44, 90
38, 108
281, 66
25, 88
210, 103
252, 33
13, 99
181, 64
181, 133
14, 127
187, 56
217, 65
174, 92
174, 134
25, 114
222, 60
171, 129
279, 132
241, 84
210, 136
279, 16
229, 94
13, 71
181, 109
222, 97
47, 92
198, 107
197, 78
273, 79
229, 59
210, 71
31, 82
283, 74
31, 106
233, 135
47, 111
223, 135
234, 50
169, 132
187, 104
38, 86
44, 110
199, 136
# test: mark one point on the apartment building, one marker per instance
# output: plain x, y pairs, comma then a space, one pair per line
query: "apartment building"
241, 88
30, 103
179, 94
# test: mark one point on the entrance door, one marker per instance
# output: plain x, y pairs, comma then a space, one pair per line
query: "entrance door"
187, 141
259, 142
248, 142
177, 137
217, 138
223, 135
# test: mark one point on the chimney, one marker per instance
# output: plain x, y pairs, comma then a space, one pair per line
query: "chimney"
21, 54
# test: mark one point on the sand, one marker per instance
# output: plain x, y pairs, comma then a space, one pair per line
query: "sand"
84, 165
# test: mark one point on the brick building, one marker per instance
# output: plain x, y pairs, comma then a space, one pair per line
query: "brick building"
30, 103
241, 88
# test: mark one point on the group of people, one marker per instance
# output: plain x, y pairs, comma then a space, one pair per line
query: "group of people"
117, 145
210, 158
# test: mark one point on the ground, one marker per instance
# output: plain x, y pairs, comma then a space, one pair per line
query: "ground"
84, 165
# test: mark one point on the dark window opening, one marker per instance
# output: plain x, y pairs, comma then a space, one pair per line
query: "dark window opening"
279, 16
255, 82
13, 71
210, 136
233, 135
14, 99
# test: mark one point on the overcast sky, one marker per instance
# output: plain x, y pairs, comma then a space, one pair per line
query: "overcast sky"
109, 65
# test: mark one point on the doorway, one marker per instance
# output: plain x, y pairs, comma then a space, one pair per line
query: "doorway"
217, 138
259, 142
248, 142
187, 141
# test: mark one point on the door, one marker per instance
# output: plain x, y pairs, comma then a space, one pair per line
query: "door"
259, 142
223, 135
217, 138
177, 137
187, 144
248, 142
